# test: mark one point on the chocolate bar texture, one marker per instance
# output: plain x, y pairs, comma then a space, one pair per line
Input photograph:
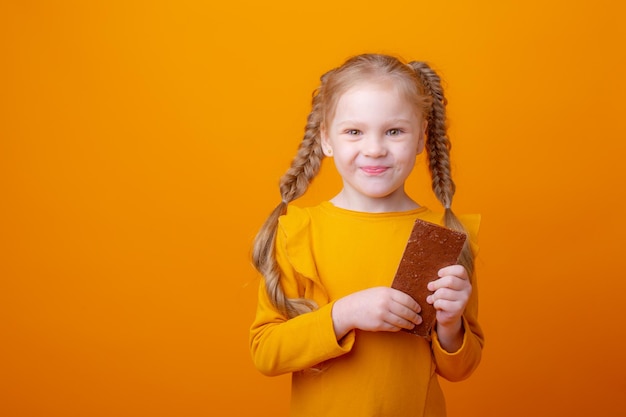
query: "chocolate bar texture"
430, 247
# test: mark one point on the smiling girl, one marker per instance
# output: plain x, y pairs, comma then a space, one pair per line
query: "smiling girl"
326, 312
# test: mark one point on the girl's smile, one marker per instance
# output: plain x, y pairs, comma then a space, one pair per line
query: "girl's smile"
374, 170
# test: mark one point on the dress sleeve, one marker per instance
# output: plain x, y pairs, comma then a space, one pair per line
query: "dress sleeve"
459, 365
278, 344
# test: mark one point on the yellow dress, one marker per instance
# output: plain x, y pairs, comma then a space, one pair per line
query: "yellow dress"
326, 253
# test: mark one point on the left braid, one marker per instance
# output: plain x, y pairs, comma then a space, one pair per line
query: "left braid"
438, 152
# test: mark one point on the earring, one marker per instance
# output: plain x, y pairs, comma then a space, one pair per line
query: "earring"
329, 152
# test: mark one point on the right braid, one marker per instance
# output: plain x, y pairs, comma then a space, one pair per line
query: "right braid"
293, 184
306, 164
438, 152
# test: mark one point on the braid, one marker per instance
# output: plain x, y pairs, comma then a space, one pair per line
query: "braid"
306, 164
293, 184
438, 152
438, 145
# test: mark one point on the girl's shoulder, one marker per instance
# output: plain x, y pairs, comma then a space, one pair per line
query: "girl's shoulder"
299, 221
295, 218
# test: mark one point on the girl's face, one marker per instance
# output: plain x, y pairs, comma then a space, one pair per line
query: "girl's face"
374, 137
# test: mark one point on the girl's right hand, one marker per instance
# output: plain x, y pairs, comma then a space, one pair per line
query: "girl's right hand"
375, 309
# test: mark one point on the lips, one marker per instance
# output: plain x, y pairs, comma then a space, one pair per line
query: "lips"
374, 170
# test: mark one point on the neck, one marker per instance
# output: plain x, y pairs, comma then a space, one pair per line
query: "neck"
396, 202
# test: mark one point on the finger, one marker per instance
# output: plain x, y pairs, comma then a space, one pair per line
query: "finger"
406, 314
449, 306
443, 282
449, 281
445, 294
455, 270
399, 323
406, 301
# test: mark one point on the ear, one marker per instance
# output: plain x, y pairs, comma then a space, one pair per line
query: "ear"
422, 139
326, 148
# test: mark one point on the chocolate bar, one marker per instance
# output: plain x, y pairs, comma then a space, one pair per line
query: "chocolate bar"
429, 248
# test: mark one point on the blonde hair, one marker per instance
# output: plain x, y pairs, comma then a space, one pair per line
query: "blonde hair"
423, 87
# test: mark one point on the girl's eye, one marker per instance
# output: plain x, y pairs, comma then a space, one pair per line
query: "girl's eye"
394, 132
352, 132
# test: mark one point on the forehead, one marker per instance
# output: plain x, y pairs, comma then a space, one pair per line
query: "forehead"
374, 98
382, 86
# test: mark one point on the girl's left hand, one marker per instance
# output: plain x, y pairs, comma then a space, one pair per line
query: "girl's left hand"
451, 292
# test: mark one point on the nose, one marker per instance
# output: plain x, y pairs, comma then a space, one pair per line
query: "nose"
374, 146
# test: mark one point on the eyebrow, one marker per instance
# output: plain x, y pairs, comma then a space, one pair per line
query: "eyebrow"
358, 122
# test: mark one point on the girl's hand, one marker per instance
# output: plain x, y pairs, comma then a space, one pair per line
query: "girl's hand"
451, 292
375, 309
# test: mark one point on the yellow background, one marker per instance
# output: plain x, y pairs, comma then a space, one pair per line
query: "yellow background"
140, 148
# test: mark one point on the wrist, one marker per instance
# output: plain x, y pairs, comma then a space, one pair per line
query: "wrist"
341, 324
451, 335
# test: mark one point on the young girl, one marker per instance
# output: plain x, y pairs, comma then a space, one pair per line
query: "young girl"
326, 312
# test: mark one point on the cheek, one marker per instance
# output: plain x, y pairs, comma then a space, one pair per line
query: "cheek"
408, 152
345, 160
344, 153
